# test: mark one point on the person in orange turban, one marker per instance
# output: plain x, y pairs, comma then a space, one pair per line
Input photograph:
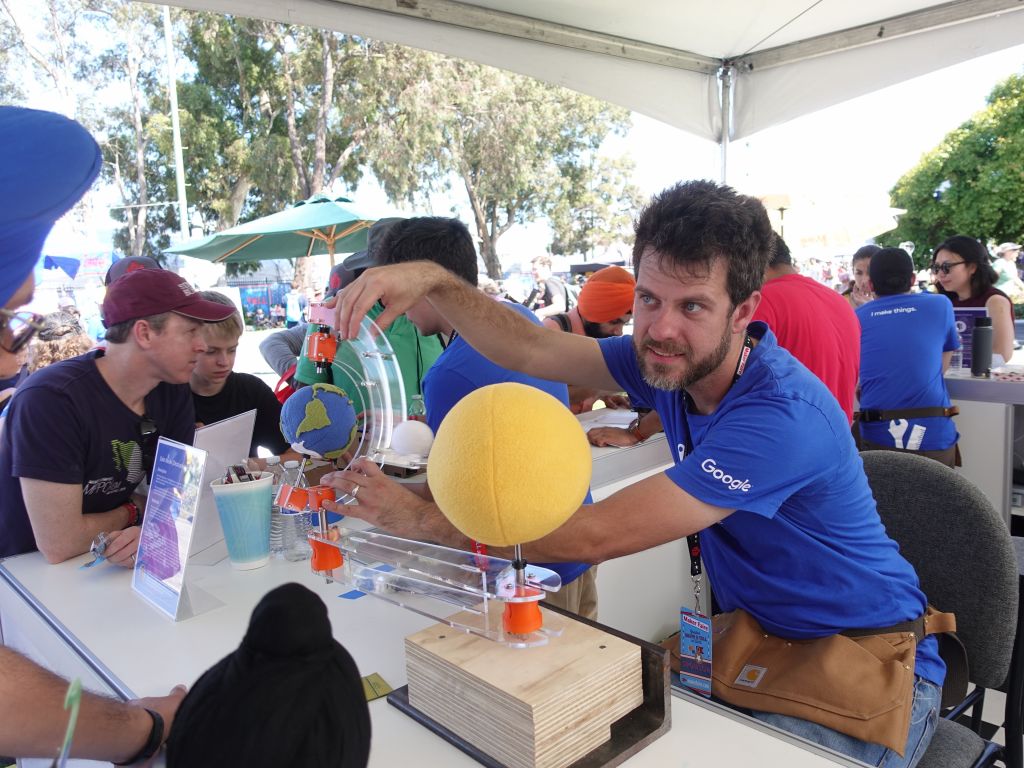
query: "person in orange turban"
605, 305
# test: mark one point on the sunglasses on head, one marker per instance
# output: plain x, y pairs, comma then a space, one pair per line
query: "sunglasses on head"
17, 329
149, 433
945, 267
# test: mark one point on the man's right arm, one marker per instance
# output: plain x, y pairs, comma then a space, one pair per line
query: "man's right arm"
61, 529
32, 716
281, 349
499, 333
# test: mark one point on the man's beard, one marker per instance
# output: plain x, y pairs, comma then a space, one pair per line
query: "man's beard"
593, 330
662, 377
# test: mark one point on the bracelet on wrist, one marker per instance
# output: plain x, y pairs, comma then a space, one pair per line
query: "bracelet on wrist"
134, 518
634, 430
153, 742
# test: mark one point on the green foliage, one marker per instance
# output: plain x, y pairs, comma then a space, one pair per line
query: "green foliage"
522, 149
10, 91
271, 114
972, 183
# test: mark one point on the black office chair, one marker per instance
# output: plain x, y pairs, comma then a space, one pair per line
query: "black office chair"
964, 557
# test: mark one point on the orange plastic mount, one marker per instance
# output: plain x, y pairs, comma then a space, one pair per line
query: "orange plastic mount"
322, 347
522, 618
325, 557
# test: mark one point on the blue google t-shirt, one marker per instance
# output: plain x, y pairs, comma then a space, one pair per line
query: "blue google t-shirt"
805, 552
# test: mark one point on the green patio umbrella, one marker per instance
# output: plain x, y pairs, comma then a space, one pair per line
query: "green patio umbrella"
313, 227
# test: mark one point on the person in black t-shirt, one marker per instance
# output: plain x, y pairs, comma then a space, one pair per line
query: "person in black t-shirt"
219, 393
550, 295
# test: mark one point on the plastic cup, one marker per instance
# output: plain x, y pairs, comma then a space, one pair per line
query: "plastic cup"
956, 361
244, 511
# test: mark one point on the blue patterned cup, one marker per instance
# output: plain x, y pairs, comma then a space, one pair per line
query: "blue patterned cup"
244, 511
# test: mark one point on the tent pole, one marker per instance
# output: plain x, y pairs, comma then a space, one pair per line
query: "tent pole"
726, 81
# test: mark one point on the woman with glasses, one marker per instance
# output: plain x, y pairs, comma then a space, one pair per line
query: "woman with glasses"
964, 275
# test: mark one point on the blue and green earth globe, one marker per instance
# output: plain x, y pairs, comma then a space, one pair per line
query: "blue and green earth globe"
319, 421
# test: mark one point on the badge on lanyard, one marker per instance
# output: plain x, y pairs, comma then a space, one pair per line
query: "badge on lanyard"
695, 633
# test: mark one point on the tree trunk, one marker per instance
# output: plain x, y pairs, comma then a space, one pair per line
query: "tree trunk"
239, 193
139, 241
489, 253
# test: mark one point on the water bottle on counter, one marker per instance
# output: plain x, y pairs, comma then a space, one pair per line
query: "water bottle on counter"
295, 525
981, 347
275, 468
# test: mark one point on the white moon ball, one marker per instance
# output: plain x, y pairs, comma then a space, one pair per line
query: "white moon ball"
412, 438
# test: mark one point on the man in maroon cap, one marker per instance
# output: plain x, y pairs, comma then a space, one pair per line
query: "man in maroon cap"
81, 434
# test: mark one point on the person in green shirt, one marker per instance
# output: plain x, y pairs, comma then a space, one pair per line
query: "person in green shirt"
415, 353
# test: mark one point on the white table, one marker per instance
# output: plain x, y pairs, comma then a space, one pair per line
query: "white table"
986, 427
90, 624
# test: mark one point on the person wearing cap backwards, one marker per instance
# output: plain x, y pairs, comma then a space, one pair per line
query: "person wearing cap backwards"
81, 434
128, 264
415, 353
907, 340
604, 308
47, 162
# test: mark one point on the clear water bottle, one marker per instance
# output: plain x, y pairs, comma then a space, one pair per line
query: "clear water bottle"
275, 468
295, 525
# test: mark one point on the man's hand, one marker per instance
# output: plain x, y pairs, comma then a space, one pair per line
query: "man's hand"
122, 546
617, 401
383, 502
612, 436
398, 287
165, 706
391, 506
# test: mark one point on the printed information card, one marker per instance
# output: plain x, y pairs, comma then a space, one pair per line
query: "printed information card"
695, 652
167, 526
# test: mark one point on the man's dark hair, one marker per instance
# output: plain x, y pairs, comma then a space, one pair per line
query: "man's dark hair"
694, 223
864, 252
891, 271
972, 252
781, 254
432, 238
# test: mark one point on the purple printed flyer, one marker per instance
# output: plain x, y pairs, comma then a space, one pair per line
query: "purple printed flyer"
174, 490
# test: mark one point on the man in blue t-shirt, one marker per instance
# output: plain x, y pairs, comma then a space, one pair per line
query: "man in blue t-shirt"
459, 371
765, 467
81, 434
907, 340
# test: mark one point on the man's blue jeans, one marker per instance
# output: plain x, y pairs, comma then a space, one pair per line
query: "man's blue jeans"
923, 718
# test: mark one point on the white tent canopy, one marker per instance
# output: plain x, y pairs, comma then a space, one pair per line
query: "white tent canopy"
668, 59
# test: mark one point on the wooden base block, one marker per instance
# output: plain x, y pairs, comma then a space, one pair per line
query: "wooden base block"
543, 707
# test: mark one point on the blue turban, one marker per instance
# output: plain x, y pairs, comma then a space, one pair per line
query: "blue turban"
47, 162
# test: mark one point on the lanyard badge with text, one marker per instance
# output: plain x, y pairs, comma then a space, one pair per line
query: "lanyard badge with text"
695, 632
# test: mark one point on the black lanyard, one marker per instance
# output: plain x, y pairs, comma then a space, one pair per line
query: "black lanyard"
693, 540
447, 343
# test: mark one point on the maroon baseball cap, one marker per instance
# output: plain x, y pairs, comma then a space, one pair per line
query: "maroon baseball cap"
146, 292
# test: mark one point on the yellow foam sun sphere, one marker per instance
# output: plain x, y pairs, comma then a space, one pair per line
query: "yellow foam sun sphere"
509, 464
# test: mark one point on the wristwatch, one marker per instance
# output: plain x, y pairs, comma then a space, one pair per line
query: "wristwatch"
634, 430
